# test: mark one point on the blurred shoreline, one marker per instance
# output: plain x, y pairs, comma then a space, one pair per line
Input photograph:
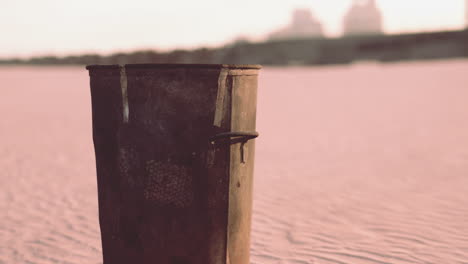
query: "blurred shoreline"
295, 52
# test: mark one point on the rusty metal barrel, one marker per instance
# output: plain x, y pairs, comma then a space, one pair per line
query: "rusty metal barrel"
174, 156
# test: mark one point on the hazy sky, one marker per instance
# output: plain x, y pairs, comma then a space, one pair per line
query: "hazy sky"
38, 27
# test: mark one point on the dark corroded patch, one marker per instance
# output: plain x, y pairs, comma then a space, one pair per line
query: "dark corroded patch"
168, 184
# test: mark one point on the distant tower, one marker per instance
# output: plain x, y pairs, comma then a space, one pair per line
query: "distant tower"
466, 13
363, 18
303, 25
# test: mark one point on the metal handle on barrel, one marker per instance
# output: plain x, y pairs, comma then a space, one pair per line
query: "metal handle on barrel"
242, 136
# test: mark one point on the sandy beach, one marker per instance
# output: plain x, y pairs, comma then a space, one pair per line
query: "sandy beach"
364, 163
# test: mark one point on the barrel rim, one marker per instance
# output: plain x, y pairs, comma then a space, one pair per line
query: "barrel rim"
176, 65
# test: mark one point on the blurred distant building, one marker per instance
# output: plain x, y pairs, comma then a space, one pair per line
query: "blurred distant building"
466, 13
363, 18
303, 25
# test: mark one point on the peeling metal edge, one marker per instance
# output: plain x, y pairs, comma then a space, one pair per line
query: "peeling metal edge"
221, 97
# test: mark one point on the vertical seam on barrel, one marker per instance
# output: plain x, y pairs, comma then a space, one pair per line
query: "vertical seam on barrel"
123, 87
231, 108
221, 97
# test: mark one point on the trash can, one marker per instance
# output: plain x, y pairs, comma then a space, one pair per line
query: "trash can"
174, 158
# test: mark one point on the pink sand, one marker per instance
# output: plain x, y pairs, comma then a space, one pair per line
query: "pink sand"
355, 164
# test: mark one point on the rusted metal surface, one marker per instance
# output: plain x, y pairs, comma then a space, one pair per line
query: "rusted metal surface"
174, 188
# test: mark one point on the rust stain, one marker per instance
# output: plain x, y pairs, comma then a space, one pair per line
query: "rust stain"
123, 87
